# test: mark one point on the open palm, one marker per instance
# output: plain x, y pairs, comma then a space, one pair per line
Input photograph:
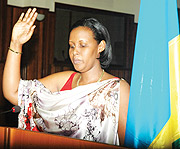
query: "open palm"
24, 28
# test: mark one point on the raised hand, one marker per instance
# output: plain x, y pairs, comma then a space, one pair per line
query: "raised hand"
24, 27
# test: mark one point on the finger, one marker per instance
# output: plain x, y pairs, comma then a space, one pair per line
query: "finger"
33, 12
33, 27
33, 19
21, 17
31, 15
27, 14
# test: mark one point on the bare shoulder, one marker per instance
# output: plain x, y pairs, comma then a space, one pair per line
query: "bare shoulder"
55, 81
124, 85
124, 92
60, 76
123, 108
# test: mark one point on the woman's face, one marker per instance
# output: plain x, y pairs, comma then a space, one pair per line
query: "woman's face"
83, 49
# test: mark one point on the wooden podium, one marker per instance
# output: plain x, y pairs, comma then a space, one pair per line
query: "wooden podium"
17, 138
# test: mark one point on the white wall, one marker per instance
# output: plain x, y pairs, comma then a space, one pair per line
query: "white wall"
123, 6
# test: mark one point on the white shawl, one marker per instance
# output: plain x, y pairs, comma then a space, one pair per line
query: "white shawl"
88, 112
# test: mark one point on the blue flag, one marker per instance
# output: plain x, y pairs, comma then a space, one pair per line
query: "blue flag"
150, 105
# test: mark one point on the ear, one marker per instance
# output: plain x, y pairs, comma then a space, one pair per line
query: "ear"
101, 46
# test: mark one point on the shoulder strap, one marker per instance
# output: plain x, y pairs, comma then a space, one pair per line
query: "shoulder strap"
68, 84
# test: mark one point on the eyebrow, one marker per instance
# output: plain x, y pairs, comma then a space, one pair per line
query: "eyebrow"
71, 41
79, 41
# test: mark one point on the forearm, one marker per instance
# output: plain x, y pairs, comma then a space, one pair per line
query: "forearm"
22, 32
11, 74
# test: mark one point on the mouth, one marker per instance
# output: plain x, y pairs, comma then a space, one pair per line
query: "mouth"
76, 61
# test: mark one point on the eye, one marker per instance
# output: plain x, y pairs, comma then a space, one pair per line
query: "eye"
82, 45
71, 46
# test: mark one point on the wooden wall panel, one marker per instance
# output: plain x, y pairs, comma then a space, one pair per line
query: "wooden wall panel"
38, 53
130, 36
1, 29
48, 49
6, 26
2, 101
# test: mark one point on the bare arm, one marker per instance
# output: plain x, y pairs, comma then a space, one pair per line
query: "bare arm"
56, 81
124, 101
22, 32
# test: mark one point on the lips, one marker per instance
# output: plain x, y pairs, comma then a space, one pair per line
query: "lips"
76, 61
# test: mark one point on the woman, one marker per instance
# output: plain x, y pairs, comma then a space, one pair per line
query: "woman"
89, 104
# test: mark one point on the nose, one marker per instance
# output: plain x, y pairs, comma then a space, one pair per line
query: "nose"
76, 51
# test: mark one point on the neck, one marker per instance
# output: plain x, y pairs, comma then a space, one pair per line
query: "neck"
90, 76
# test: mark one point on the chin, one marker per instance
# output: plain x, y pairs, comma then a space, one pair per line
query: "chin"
80, 69
77, 68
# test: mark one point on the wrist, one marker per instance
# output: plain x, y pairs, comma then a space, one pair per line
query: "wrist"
14, 51
16, 46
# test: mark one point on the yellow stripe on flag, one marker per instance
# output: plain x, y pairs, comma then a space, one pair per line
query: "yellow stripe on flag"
171, 131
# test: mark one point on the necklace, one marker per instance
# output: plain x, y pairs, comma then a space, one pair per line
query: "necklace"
97, 81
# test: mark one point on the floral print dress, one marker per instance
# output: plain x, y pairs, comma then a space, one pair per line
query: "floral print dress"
88, 112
